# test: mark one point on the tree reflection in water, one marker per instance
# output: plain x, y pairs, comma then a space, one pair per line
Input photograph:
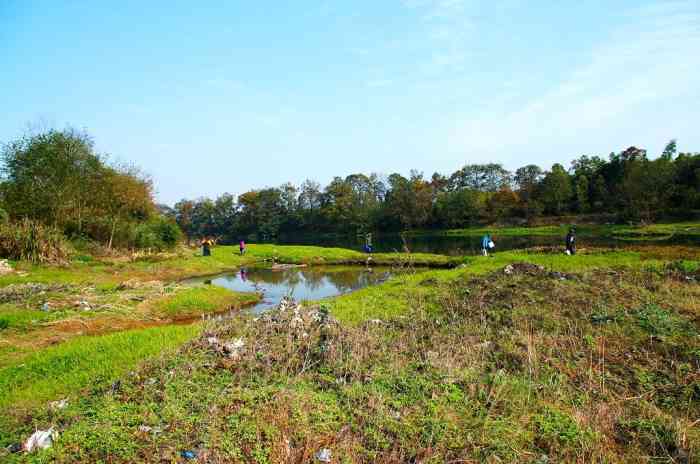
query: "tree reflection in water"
306, 283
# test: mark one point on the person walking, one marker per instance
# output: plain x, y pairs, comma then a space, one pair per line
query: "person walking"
368, 243
241, 247
486, 244
571, 242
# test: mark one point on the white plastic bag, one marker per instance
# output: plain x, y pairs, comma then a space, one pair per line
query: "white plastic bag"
491, 244
41, 439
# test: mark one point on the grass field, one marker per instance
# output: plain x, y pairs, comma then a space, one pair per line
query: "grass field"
465, 364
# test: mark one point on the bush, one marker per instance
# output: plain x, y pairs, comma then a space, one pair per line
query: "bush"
31, 241
167, 231
159, 233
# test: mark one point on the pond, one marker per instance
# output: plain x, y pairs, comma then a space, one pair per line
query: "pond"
301, 283
471, 245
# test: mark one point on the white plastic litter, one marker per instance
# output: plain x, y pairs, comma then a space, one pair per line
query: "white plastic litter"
41, 439
492, 245
324, 455
60, 404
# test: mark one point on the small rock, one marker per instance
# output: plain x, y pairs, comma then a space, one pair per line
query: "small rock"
324, 455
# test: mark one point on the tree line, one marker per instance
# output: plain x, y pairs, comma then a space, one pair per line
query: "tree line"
57, 179
628, 185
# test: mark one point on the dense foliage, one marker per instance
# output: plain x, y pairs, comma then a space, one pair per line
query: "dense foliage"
57, 179
31, 241
627, 186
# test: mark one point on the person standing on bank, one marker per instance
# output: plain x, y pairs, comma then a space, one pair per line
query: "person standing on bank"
206, 246
241, 247
571, 242
486, 244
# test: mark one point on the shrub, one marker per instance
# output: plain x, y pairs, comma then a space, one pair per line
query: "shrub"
159, 233
556, 430
31, 241
655, 437
167, 231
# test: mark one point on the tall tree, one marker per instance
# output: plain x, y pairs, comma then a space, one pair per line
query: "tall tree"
556, 191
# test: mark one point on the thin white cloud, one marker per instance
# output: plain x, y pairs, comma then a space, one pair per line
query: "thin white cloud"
652, 58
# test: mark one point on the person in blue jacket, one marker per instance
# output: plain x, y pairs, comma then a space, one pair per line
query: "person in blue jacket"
486, 244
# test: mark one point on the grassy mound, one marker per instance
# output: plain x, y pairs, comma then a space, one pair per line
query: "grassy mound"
520, 365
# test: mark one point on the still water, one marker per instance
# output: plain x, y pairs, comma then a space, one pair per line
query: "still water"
302, 283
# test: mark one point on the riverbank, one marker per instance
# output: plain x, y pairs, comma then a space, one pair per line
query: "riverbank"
636, 232
526, 315
54, 319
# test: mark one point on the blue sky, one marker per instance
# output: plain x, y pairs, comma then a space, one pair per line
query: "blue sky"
239, 95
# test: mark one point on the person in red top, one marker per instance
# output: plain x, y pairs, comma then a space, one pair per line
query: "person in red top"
241, 247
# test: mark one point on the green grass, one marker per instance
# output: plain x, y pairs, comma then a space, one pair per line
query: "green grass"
396, 296
70, 368
658, 231
15, 318
191, 264
196, 301
499, 368
415, 384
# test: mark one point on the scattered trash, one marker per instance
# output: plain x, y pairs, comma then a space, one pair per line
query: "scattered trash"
324, 455
20, 292
14, 448
83, 304
46, 307
145, 428
41, 439
296, 322
5, 267
534, 270
229, 349
59, 404
188, 454
133, 284
115, 387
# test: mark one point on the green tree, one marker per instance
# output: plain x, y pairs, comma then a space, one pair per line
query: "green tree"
582, 202
555, 190
52, 177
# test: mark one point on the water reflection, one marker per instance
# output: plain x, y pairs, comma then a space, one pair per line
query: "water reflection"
303, 283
